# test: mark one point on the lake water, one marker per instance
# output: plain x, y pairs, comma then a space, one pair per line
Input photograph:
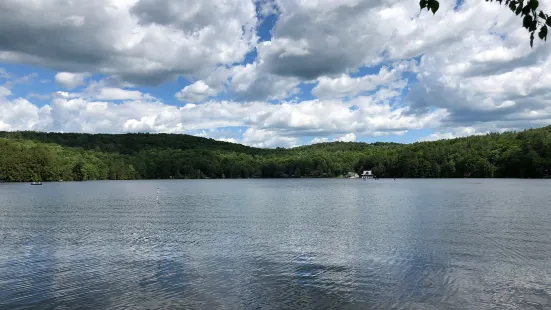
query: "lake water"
276, 244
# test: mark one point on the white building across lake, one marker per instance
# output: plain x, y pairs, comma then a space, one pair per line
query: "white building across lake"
367, 174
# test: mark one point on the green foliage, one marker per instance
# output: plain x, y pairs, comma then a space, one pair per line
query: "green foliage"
37, 156
531, 18
27, 160
430, 5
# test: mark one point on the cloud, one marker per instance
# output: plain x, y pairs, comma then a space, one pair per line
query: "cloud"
21, 114
4, 74
142, 41
349, 137
196, 92
113, 93
253, 82
227, 134
267, 139
248, 82
513, 99
264, 124
21, 80
4, 92
464, 131
347, 86
465, 71
325, 38
319, 140
70, 80
39, 96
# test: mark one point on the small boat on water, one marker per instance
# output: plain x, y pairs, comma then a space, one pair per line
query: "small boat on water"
36, 183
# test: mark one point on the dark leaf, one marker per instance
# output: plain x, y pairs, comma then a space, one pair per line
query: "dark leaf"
507, 2
543, 33
519, 8
434, 7
534, 4
527, 21
512, 6
532, 39
429, 4
533, 25
548, 22
423, 4
541, 15
526, 10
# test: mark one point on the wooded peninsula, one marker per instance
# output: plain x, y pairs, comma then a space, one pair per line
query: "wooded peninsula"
39, 156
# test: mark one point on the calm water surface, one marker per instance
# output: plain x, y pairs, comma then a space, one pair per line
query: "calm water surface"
276, 244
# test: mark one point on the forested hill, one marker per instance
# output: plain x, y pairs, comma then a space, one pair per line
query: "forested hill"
27, 156
128, 143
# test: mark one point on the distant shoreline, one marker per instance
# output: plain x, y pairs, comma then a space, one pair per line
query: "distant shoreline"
303, 178
27, 156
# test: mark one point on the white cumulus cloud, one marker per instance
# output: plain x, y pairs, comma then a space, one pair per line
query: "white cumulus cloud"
458, 72
144, 41
70, 80
196, 92
349, 137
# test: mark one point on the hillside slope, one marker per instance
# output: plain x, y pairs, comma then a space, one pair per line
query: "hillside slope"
26, 156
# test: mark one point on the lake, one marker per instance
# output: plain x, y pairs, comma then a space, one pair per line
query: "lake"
276, 244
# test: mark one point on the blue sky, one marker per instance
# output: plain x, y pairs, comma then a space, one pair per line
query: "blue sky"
270, 73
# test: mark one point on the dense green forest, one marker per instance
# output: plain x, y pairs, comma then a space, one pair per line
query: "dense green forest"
34, 156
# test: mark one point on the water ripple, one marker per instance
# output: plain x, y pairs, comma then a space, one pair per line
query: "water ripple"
276, 244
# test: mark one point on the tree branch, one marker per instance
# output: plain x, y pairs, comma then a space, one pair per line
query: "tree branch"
531, 19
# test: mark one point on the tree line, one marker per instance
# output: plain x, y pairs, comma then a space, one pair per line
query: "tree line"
39, 156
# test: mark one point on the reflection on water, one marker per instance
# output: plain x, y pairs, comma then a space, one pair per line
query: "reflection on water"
276, 244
